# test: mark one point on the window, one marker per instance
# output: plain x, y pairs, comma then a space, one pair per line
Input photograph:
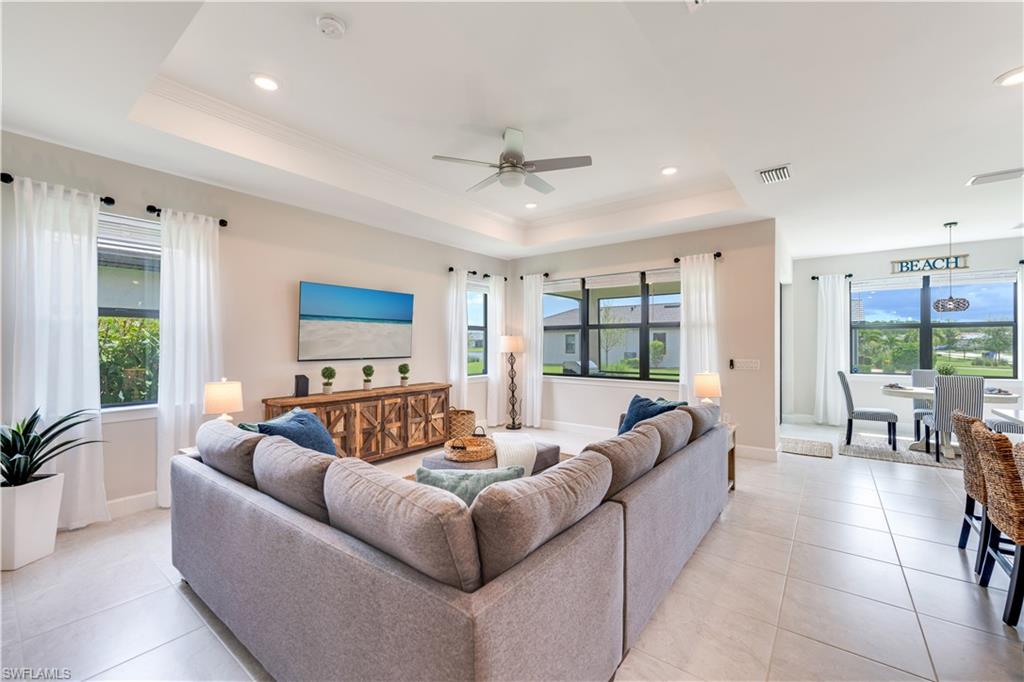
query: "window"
615, 326
476, 317
129, 310
894, 328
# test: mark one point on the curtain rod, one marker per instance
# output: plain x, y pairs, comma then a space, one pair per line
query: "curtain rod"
846, 276
155, 210
718, 254
473, 272
545, 276
7, 179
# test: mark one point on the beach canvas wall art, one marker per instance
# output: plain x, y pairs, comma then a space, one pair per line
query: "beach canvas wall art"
348, 323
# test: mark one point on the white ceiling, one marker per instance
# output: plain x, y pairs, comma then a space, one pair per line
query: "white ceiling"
883, 110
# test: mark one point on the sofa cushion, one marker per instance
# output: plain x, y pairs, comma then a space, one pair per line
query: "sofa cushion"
427, 528
228, 449
467, 484
674, 428
303, 428
641, 408
704, 418
632, 455
292, 474
513, 518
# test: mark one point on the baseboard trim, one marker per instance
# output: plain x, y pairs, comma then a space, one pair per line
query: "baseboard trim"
584, 429
123, 506
754, 452
798, 419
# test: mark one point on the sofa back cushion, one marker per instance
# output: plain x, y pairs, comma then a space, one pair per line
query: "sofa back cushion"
513, 518
425, 527
674, 428
228, 449
704, 418
292, 474
631, 455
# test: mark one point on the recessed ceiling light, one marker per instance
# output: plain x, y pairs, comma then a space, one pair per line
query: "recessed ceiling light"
330, 26
996, 176
1011, 77
263, 81
669, 170
531, 205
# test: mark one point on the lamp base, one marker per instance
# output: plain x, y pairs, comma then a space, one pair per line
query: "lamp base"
707, 401
226, 417
514, 426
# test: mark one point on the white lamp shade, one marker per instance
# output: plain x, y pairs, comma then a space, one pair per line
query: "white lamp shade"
512, 344
222, 397
707, 385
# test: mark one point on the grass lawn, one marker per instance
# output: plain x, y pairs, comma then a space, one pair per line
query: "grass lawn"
663, 374
964, 367
475, 367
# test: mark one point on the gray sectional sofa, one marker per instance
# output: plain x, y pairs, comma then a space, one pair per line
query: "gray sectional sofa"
330, 568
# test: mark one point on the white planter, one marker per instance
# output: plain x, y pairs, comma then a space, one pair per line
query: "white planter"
328, 388
404, 382
366, 384
29, 520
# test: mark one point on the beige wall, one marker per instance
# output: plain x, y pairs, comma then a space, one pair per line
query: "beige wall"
265, 251
747, 330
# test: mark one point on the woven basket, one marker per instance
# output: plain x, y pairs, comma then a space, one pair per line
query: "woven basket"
461, 423
475, 448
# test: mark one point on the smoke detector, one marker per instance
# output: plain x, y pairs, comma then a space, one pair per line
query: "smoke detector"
773, 175
330, 26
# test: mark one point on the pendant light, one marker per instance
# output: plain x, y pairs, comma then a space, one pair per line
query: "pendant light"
951, 304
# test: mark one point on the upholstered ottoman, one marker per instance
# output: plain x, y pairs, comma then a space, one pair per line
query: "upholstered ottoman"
547, 456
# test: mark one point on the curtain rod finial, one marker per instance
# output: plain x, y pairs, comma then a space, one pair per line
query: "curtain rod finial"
6, 178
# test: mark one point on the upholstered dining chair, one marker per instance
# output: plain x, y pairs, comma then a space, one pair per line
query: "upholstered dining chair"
974, 483
954, 392
871, 414
1000, 425
1004, 514
921, 378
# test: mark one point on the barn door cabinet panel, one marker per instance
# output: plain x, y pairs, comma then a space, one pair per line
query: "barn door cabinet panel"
377, 423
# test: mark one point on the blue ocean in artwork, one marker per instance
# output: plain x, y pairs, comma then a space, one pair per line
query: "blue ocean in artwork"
342, 323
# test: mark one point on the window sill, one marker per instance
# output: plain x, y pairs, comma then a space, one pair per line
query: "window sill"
665, 386
131, 413
477, 379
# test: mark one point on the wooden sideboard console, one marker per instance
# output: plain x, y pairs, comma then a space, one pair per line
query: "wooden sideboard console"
377, 423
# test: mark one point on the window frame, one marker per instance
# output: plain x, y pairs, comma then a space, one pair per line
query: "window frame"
644, 328
926, 328
480, 328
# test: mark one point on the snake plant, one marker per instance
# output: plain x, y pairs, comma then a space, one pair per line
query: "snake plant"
23, 451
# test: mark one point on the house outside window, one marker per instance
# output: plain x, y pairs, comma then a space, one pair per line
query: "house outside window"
129, 310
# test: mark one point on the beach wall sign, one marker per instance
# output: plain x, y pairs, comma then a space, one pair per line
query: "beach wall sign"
959, 262
348, 323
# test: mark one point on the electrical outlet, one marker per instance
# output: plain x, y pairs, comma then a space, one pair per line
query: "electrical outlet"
748, 365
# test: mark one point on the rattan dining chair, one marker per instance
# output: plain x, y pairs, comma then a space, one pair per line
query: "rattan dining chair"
964, 393
871, 414
922, 378
974, 484
1004, 514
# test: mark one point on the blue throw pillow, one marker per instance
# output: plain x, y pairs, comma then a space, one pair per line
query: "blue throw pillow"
305, 429
641, 408
255, 426
673, 403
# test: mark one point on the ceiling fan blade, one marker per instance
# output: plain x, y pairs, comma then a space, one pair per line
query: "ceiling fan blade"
512, 145
542, 186
471, 162
489, 180
563, 163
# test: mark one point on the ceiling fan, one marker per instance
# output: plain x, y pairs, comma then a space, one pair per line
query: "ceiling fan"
513, 170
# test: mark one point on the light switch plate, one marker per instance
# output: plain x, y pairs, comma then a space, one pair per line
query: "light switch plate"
749, 365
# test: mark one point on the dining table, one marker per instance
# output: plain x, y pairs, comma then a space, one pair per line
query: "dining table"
924, 393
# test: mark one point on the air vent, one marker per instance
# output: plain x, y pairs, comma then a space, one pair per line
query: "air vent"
997, 176
773, 175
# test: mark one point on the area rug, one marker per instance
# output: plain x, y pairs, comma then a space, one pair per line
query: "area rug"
810, 448
876, 447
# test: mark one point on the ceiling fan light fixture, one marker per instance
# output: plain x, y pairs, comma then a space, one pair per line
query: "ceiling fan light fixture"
669, 170
1011, 77
263, 81
512, 177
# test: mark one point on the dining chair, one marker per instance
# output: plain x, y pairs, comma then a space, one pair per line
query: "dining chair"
974, 484
871, 414
922, 378
964, 393
1004, 514
1000, 425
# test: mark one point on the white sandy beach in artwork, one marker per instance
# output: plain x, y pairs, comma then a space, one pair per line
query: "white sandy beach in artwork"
333, 340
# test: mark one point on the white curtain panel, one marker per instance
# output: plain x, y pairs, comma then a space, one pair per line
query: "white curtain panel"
1020, 311
55, 347
833, 349
497, 398
458, 338
699, 350
190, 333
532, 371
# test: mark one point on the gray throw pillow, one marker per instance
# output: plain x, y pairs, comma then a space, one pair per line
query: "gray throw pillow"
292, 474
467, 484
228, 449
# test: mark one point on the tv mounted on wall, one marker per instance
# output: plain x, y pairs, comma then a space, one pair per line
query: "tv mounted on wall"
348, 323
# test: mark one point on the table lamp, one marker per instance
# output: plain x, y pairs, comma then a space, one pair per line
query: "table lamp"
512, 345
707, 385
222, 396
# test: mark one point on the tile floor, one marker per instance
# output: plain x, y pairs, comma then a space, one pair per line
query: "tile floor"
817, 570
